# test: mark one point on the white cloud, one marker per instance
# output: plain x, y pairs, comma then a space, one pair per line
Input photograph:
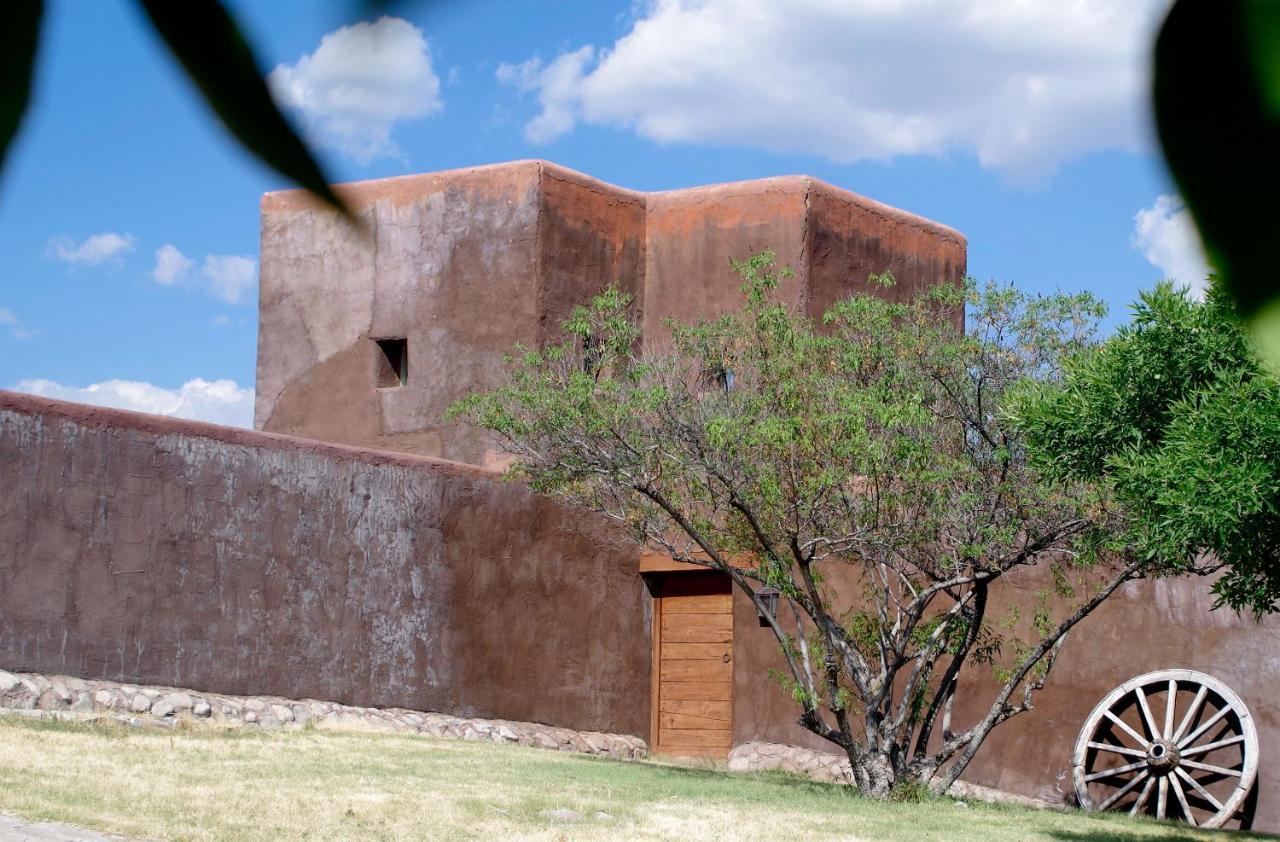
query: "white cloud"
171, 265
96, 250
557, 85
359, 83
15, 327
217, 401
229, 275
1025, 85
226, 276
1167, 238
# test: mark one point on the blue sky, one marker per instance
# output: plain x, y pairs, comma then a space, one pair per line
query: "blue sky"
1023, 125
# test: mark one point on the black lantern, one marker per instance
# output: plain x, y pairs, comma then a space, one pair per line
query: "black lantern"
769, 598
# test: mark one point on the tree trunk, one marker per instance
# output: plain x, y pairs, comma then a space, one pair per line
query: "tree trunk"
872, 774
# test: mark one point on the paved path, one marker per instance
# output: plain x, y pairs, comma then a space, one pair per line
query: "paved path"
17, 830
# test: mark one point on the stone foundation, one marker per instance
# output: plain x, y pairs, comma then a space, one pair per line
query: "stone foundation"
833, 768
164, 707
758, 757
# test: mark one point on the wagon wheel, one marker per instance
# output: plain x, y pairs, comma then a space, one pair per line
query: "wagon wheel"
1172, 744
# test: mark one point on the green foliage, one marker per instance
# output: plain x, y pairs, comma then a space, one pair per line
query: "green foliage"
1180, 417
1219, 124
205, 39
910, 792
862, 464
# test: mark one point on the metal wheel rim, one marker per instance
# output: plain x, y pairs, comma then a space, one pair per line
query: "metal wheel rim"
1162, 780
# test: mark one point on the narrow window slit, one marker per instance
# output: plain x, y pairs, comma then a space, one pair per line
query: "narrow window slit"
392, 363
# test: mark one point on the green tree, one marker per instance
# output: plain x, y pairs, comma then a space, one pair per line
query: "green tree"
1178, 416
863, 466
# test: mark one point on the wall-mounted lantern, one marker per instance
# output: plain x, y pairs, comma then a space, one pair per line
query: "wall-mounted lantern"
768, 596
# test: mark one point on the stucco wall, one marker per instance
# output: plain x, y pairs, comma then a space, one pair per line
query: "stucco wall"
693, 234
467, 263
463, 265
849, 238
146, 549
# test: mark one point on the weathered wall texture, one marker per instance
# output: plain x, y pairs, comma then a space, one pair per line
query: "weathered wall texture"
693, 234
466, 264
1146, 626
146, 549
151, 550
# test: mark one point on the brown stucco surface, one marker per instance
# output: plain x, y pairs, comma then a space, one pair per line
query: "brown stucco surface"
849, 238
146, 549
466, 264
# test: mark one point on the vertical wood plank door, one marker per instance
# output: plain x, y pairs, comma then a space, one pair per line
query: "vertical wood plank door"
693, 700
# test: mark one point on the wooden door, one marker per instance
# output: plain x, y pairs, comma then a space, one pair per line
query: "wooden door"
693, 657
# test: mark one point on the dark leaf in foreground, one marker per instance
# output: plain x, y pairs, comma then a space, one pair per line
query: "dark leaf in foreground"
206, 40
19, 39
1217, 104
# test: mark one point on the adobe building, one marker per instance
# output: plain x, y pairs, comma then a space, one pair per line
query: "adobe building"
366, 340
358, 548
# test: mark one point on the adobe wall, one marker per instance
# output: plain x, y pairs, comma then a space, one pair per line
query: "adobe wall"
146, 549
693, 234
466, 264
590, 235
1145, 626
849, 238
153, 550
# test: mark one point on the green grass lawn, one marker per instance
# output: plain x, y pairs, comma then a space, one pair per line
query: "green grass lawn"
203, 783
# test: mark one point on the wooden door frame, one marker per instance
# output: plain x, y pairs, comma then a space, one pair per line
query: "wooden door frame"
658, 572
655, 669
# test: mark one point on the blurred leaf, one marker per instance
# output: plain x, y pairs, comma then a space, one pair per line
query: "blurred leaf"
370, 9
1217, 103
208, 43
19, 39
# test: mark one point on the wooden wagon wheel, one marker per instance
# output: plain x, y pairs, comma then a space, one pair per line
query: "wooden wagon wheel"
1182, 734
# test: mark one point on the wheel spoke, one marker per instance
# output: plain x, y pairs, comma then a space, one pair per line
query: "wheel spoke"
1182, 800
1162, 800
1187, 752
1146, 713
1170, 694
1190, 714
1217, 770
1142, 798
1142, 741
1119, 793
1204, 726
1132, 752
1118, 770
1204, 793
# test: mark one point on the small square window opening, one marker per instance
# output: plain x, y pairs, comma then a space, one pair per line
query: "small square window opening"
392, 363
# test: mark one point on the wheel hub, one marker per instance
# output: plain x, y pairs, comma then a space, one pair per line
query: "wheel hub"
1162, 757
